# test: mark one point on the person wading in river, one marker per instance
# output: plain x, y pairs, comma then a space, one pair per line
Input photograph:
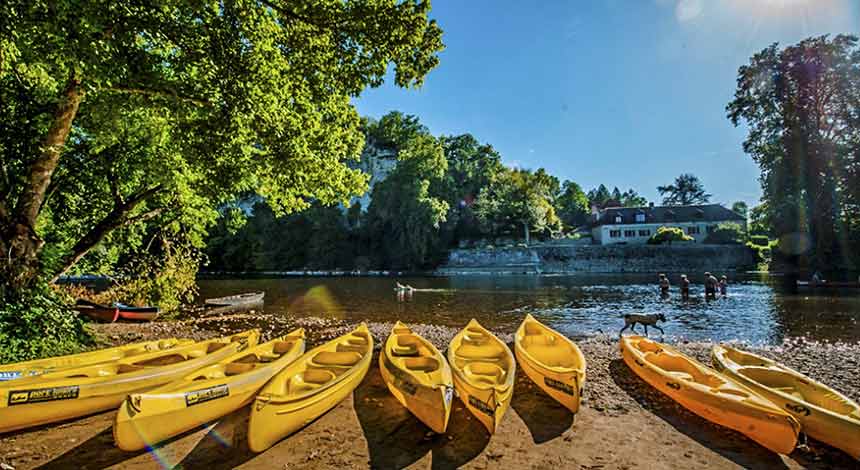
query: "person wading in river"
664, 286
724, 285
685, 287
710, 286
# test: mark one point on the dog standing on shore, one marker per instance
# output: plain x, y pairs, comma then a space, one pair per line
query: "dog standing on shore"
644, 319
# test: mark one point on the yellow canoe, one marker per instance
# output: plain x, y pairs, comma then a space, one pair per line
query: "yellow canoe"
417, 375
710, 394
205, 395
40, 366
484, 371
552, 361
310, 386
823, 413
79, 391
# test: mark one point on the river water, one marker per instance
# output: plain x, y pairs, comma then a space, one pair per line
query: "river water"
756, 310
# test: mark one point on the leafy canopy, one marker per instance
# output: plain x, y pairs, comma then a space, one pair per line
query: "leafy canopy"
686, 190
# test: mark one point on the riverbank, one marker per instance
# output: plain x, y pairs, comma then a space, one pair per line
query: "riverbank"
624, 423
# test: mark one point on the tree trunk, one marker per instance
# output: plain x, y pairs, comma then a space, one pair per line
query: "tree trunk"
18, 238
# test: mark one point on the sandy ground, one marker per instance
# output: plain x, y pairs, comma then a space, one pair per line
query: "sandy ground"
624, 423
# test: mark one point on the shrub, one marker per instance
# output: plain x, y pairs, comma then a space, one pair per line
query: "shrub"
37, 323
668, 235
727, 233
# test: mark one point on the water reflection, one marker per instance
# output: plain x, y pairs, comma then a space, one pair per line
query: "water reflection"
754, 311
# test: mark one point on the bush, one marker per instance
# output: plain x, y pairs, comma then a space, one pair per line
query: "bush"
37, 323
668, 235
727, 233
760, 240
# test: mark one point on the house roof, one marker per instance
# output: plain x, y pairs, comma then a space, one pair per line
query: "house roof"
668, 214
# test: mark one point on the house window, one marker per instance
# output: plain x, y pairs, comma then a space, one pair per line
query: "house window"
692, 230
614, 233
640, 217
617, 219
630, 233
711, 228
644, 233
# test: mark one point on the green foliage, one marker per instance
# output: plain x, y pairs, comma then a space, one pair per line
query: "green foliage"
600, 196
572, 203
740, 208
799, 104
668, 235
519, 198
726, 233
37, 323
685, 191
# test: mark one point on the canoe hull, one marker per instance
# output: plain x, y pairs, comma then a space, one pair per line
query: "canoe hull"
144, 419
565, 381
839, 431
277, 414
760, 421
45, 399
483, 369
431, 405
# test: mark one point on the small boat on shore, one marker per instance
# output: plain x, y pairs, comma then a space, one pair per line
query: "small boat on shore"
484, 370
710, 394
552, 361
418, 375
80, 391
309, 387
823, 413
110, 314
248, 298
42, 366
205, 395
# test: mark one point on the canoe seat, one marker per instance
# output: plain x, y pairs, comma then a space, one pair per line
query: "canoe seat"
406, 350
337, 359
485, 353
310, 379
269, 357
681, 375
485, 372
474, 337
421, 364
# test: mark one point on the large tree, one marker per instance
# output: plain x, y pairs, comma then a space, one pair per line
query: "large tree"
572, 203
122, 112
800, 104
685, 191
519, 198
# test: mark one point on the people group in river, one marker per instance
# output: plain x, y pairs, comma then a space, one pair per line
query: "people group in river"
712, 286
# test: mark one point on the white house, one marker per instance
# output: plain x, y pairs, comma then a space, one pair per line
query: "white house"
635, 225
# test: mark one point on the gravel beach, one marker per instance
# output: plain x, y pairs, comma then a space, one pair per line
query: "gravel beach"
624, 422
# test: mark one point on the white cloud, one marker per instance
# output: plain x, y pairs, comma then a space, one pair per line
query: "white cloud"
688, 10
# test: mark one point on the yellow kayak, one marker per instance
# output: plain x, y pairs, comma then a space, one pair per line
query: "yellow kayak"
204, 395
823, 413
79, 391
418, 375
710, 394
552, 361
41, 366
310, 386
484, 372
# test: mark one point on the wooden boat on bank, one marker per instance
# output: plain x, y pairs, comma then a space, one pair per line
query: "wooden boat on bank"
80, 391
418, 375
552, 361
484, 370
248, 298
309, 387
41, 366
823, 413
116, 312
710, 394
204, 395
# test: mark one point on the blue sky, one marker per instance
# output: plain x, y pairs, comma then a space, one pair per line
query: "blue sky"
627, 93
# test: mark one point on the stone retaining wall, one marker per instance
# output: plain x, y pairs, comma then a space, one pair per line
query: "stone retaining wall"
599, 259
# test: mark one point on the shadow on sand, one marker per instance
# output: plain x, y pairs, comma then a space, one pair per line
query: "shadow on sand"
224, 446
545, 417
97, 452
397, 439
730, 444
